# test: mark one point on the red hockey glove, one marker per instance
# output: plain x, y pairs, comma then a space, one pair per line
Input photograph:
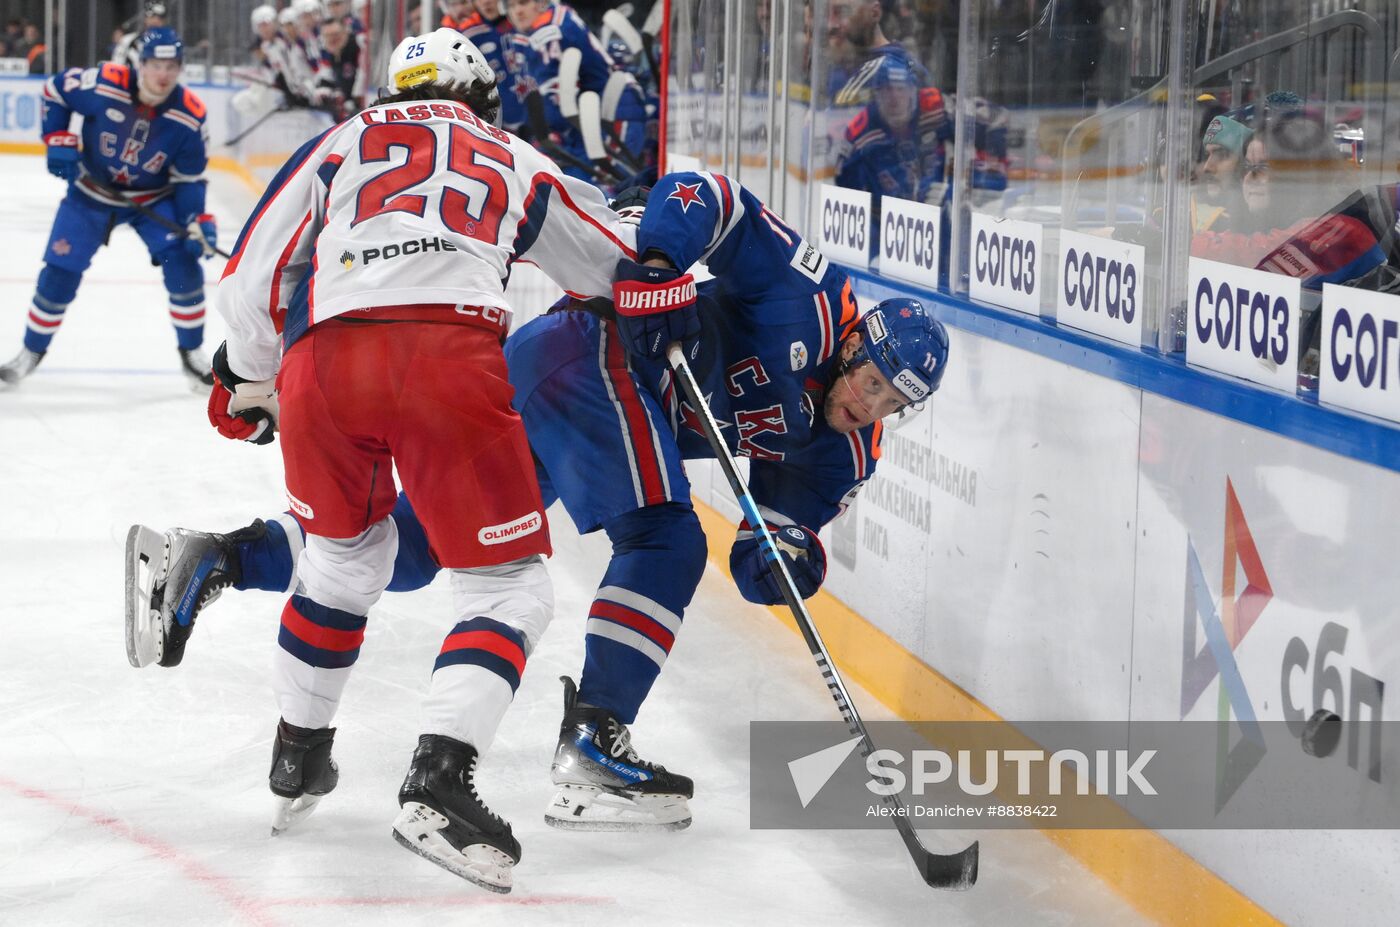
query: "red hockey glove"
655, 306
239, 409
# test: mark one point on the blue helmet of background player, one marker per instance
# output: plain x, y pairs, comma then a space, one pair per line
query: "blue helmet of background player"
162, 44
907, 345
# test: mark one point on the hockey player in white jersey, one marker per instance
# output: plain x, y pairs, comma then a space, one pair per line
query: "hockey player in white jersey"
366, 310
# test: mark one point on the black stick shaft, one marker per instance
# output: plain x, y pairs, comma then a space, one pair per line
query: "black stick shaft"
151, 214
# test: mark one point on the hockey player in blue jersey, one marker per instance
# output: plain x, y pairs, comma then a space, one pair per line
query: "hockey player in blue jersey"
589, 102
800, 382
143, 142
899, 143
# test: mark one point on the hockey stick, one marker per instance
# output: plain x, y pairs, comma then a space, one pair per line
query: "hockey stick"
957, 871
539, 128
257, 122
168, 224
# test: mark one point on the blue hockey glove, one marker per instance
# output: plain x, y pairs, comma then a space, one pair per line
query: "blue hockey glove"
655, 306
204, 236
63, 154
802, 552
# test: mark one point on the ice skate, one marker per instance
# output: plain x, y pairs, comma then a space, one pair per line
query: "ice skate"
302, 772
21, 366
603, 784
170, 578
194, 363
443, 820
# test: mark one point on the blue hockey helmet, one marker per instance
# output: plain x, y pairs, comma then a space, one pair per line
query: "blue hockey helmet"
906, 344
162, 43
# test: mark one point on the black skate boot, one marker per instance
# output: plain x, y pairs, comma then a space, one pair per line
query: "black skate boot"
603, 784
194, 364
170, 579
443, 820
302, 772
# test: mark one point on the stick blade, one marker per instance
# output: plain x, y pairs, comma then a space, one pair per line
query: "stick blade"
955, 872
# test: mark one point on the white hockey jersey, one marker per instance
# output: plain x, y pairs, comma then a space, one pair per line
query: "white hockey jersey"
408, 204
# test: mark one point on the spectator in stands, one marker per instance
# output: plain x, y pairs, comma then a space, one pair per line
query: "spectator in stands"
857, 45
340, 10
36, 51
1290, 178
455, 14
340, 74
1217, 198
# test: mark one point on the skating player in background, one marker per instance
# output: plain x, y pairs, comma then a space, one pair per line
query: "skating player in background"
144, 142
366, 302
800, 382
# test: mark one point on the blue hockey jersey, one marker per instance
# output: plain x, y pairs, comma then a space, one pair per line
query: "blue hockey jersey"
622, 103
772, 322
492, 38
144, 152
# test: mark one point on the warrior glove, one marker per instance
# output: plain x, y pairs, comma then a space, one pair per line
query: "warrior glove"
655, 306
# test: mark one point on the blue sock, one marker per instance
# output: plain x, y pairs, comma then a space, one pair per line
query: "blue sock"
658, 559
52, 294
269, 560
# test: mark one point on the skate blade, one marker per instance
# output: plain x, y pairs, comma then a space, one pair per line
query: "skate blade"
418, 828
590, 808
291, 811
145, 568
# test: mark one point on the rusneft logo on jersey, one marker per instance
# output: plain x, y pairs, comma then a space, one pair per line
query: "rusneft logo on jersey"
116, 115
418, 74
503, 534
347, 259
631, 300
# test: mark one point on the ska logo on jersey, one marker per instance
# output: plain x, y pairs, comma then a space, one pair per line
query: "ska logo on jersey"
347, 260
686, 194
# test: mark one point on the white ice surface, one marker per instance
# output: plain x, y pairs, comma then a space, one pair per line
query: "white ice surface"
140, 797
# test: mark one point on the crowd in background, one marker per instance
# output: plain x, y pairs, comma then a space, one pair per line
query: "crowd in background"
314, 55
23, 39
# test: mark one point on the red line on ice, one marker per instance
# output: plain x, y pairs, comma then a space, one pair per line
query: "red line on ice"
249, 908
476, 898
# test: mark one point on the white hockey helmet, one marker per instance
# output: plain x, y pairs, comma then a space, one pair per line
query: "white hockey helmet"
309, 8
444, 55
286, 16
263, 14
